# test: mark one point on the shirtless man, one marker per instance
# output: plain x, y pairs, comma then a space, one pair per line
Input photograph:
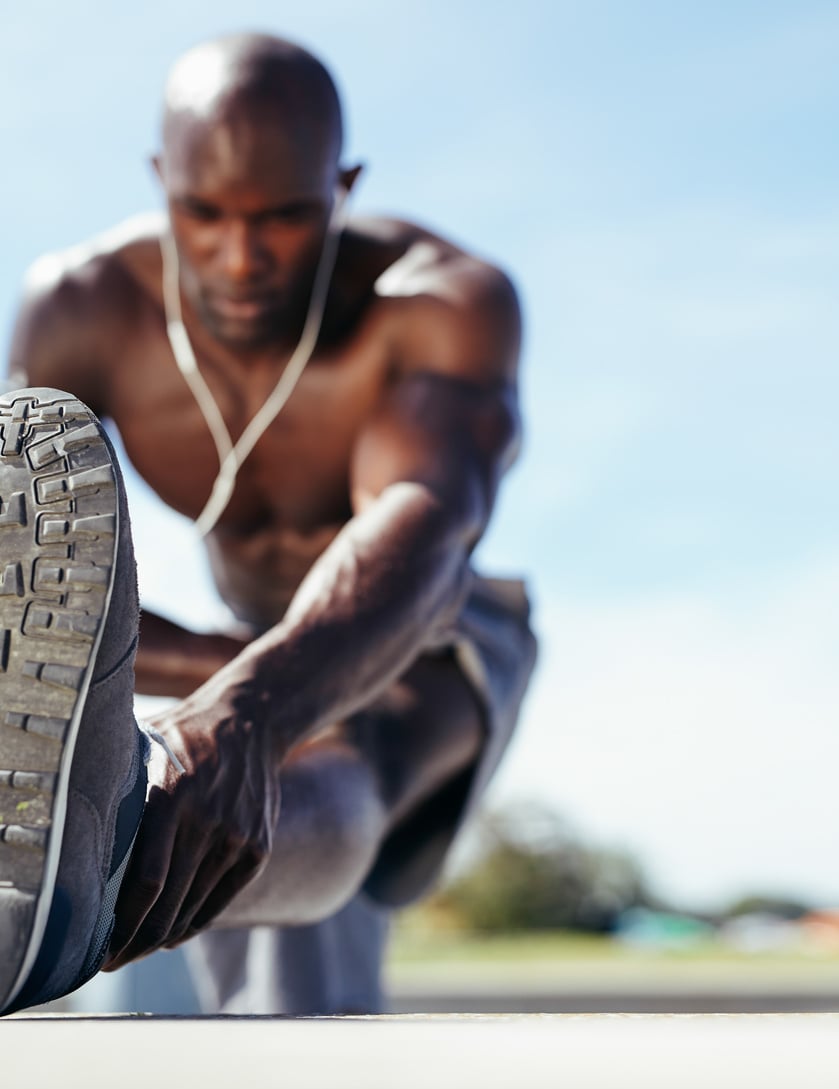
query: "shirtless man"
337, 749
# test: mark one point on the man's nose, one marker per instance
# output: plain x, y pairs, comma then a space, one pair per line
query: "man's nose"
243, 256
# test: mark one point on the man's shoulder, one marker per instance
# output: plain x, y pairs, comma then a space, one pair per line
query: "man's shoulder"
450, 306
426, 262
105, 272
78, 304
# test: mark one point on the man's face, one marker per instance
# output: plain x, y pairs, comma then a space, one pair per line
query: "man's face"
249, 206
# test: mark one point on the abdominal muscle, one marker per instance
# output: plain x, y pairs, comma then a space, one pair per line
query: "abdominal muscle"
258, 572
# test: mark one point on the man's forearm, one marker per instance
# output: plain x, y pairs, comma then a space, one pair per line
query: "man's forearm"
392, 577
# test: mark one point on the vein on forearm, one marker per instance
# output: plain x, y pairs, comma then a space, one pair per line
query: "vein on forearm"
390, 580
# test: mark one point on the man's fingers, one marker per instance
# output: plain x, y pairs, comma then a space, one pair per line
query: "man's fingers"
211, 893
144, 879
157, 927
213, 871
221, 895
169, 918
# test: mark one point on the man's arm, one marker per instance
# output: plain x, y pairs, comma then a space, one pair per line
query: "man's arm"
423, 477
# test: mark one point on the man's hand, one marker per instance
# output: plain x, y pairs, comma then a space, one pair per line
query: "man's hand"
205, 832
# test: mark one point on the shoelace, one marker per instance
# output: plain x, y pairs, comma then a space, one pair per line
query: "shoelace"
231, 455
155, 735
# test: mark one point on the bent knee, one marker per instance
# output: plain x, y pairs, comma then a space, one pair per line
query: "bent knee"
331, 825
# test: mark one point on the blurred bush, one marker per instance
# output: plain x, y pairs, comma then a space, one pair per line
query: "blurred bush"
778, 907
530, 872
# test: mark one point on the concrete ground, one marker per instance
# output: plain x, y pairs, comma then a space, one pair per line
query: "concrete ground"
487, 1051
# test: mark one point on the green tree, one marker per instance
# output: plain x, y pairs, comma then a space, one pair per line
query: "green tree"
532, 873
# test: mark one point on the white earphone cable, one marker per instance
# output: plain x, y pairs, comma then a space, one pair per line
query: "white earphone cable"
230, 455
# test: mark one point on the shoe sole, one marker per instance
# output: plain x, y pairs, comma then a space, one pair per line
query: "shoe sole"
59, 524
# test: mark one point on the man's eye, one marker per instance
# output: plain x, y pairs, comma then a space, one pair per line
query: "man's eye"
292, 213
196, 210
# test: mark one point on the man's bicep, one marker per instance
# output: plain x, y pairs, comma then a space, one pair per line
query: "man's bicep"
450, 418
452, 436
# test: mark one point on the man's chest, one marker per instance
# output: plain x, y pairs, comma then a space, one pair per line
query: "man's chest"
298, 471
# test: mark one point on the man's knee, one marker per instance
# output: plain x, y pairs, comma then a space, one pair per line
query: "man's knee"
332, 822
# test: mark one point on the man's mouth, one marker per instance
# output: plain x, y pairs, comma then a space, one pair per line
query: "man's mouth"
244, 307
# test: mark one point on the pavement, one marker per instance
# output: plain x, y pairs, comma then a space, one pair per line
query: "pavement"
537, 1051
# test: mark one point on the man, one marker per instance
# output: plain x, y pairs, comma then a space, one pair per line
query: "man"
335, 408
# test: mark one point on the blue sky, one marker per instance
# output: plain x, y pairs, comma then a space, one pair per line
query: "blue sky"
662, 181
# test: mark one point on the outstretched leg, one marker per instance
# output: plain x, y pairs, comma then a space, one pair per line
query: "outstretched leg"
331, 967
72, 781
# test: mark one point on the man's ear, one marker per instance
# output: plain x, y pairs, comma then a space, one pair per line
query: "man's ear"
349, 176
156, 162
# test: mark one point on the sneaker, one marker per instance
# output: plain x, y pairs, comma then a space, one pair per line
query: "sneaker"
72, 760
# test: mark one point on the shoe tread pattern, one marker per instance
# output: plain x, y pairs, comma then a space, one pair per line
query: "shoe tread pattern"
58, 521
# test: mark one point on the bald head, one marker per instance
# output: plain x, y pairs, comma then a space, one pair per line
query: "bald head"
249, 78
250, 169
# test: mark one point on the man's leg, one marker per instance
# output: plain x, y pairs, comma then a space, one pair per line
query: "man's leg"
330, 967
72, 781
496, 650
343, 794
340, 795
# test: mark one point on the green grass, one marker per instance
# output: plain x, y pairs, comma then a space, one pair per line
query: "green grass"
570, 961
411, 945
